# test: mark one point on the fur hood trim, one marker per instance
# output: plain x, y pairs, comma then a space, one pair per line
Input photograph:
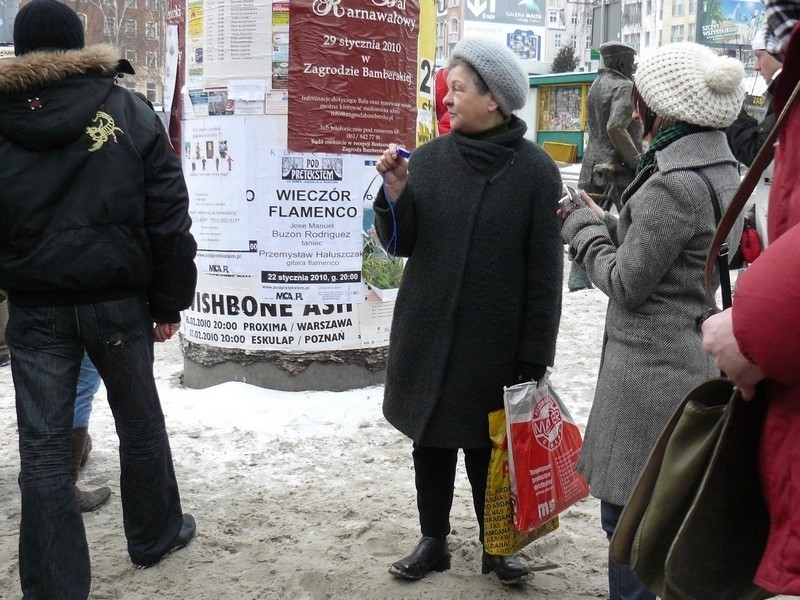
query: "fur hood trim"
36, 69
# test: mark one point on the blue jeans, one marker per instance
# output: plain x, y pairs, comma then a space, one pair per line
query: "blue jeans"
47, 345
88, 384
622, 583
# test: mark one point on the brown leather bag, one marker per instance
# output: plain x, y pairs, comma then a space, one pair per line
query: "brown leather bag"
696, 525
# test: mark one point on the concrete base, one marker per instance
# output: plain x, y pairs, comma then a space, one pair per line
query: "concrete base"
327, 376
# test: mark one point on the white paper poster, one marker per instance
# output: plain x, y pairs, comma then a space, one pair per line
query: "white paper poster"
280, 242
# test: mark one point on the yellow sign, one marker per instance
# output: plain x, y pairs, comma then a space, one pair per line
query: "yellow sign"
195, 20
426, 55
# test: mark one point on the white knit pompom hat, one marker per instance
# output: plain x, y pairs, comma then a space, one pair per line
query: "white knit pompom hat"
688, 82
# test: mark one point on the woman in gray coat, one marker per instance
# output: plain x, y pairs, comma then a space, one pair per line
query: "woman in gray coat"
650, 263
480, 301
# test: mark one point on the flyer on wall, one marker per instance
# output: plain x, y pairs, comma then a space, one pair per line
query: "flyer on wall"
313, 244
293, 221
215, 153
352, 75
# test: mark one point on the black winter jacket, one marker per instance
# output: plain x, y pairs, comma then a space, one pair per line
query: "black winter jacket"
93, 200
746, 135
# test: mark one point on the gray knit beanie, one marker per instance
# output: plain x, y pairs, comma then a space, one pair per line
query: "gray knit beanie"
499, 67
688, 82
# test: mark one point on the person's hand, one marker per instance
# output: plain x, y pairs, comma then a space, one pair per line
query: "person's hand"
569, 202
592, 205
164, 331
575, 200
525, 371
719, 342
394, 170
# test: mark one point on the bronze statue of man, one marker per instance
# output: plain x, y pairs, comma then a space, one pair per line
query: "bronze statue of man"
615, 139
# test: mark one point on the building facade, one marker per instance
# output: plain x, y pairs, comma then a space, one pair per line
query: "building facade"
136, 27
449, 19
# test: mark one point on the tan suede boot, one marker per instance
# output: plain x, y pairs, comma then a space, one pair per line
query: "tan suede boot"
88, 501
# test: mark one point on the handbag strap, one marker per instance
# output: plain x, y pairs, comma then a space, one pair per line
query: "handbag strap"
722, 251
740, 197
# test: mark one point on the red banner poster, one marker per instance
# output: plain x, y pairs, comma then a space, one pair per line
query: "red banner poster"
352, 75
177, 17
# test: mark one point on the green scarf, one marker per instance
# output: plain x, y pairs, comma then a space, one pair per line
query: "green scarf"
664, 138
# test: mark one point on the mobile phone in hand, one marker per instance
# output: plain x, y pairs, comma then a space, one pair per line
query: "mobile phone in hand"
571, 202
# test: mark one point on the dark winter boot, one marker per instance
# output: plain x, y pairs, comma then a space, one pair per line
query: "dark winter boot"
88, 501
507, 568
431, 554
86, 451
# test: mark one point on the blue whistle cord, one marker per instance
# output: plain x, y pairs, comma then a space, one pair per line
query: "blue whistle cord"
391, 247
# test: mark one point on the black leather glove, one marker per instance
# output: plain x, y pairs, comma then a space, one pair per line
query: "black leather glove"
526, 371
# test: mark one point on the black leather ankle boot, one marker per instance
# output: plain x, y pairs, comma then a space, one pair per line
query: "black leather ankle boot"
508, 569
431, 554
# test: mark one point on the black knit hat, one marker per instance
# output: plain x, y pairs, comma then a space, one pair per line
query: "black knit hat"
47, 24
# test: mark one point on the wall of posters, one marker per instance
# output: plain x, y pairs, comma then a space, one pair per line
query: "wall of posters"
280, 242
290, 222
284, 261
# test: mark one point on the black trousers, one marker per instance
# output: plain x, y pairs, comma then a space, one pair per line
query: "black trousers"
435, 476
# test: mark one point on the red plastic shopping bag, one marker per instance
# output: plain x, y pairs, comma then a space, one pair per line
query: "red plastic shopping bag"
500, 536
544, 444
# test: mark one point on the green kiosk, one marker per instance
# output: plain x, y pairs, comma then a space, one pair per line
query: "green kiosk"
559, 122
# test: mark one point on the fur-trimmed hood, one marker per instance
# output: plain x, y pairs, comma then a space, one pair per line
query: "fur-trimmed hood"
38, 69
47, 98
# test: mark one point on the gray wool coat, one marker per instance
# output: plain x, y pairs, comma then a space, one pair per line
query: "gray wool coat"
482, 285
650, 264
